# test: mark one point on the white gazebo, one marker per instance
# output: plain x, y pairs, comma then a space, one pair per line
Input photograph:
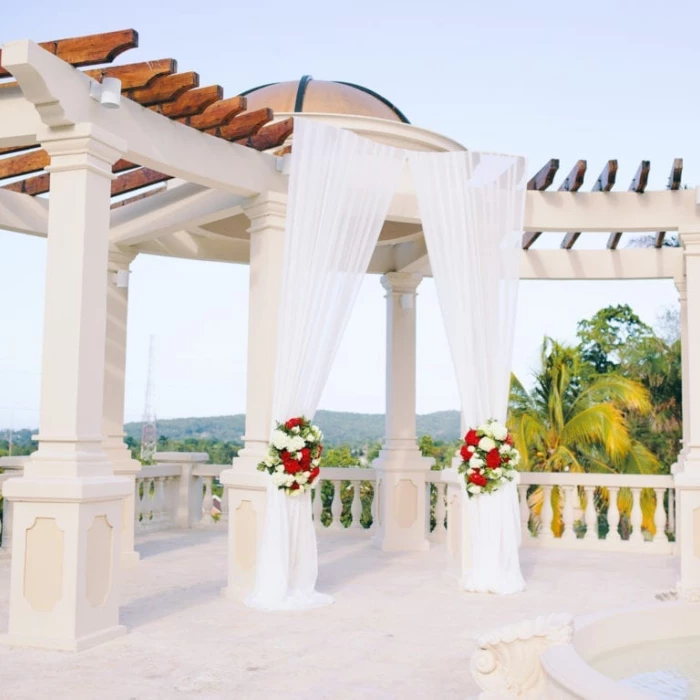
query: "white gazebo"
140, 160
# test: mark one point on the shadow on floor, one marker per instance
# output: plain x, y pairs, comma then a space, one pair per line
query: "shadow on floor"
161, 543
142, 611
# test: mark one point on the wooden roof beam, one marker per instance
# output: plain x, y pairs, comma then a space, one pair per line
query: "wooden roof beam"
604, 183
244, 125
166, 88
674, 183
544, 177
88, 50
218, 114
270, 136
572, 182
638, 185
191, 102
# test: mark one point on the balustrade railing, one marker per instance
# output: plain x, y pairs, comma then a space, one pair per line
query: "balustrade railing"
570, 510
625, 512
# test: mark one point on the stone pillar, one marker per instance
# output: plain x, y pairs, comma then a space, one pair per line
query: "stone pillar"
246, 485
65, 574
114, 386
687, 478
401, 510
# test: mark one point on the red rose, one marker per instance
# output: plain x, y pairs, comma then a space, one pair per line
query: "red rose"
293, 423
292, 467
305, 457
285, 456
493, 459
477, 478
471, 438
313, 474
294, 486
509, 439
466, 454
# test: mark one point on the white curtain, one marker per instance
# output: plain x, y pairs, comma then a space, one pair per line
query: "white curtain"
472, 208
340, 189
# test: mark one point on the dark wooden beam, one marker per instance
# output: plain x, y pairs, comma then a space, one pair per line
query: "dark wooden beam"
89, 50
540, 182
218, 114
544, 177
270, 136
191, 102
674, 183
134, 180
604, 183
136, 75
638, 185
39, 184
164, 89
23, 164
244, 125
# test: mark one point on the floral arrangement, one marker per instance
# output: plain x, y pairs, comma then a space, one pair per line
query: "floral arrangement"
294, 456
489, 459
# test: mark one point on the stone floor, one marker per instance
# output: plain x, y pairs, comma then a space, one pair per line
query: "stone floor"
397, 630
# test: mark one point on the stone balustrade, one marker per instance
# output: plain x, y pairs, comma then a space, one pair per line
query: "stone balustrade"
10, 467
586, 511
623, 512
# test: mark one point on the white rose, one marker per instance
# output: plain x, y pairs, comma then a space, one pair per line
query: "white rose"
279, 468
296, 443
316, 462
279, 439
485, 429
500, 432
270, 461
476, 462
473, 488
497, 472
279, 479
471, 448
302, 477
311, 437
296, 429
486, 444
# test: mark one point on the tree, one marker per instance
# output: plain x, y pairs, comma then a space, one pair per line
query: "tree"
604, 337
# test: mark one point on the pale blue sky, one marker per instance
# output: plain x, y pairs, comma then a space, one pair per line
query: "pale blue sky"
594, 80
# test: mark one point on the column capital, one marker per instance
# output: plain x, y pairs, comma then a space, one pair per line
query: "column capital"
690, 240
120, 258
267, 211
83, 147
681, 288
401, 282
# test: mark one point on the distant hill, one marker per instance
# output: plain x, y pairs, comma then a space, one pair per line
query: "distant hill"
338, 428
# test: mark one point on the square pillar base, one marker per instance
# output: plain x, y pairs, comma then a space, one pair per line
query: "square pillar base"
247, 501
688, 527
401, 501
65, 573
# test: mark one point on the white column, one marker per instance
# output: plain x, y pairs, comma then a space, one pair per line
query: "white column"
247, 486
65, 577
687, 478
114, 386
401, 486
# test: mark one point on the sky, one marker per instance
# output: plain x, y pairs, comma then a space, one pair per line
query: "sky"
595, 80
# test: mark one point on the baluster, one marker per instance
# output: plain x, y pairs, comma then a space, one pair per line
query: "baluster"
568, 493
636, 515
547, 516
139, 498
356, 509
613, 515
224, 506
590, 515
171, 494
336, 506
671, 527
660, 516
207, 499
440, 532
524, 511
317, 507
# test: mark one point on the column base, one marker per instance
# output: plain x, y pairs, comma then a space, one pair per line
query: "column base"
65, 572
401, 501
77, 644
687, 484
247, 501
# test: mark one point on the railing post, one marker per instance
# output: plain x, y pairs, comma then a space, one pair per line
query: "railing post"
613, 515
568, 511
590, 515
547, 515
636, 515
189, 501
660, 515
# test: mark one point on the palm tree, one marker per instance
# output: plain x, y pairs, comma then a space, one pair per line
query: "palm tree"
562, 424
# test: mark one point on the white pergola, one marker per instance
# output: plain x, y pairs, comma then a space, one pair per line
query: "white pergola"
226, 201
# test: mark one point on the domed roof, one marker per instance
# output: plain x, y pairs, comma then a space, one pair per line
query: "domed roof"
322, 97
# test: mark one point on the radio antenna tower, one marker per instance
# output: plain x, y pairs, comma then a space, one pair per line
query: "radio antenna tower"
149, 434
